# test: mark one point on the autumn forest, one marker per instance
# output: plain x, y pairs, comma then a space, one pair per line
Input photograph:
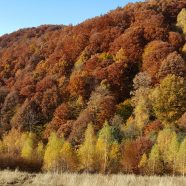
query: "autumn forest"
105, 96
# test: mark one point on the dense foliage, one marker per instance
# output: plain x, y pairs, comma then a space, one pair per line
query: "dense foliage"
107, 95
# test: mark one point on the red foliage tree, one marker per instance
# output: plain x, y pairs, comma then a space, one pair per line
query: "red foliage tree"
155, 52
45, 84
132, 42
60, 121
132, 152
172, 64
153, 127
175, 39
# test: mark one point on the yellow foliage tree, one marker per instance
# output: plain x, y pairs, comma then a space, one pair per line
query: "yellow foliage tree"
114, 157
68, 158
52, 153
168, 146
107, 149
169, 99
163, 141
181, 158
143, 163
141, 112
40, 150
155, 165
120, 56
12, 142
181, 20
27, 151
86, 152
173, 148
1, 146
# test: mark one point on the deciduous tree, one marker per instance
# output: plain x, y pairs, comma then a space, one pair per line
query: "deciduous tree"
86, 151
155, 165
181, 158
169, 99
52, 153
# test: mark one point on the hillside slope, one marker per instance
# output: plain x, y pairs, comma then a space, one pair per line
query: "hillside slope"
60, 78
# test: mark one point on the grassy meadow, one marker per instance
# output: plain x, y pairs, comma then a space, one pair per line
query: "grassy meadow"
17, 178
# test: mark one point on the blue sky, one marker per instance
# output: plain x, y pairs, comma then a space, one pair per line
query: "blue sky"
16, 14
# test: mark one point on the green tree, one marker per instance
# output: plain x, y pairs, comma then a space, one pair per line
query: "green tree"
169, 99
86, 152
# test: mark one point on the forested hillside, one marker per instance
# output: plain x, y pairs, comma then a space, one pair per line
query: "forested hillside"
107, 95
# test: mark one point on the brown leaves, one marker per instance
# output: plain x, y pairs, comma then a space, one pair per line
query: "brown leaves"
132, 41
155, 52
132, 152
51, 65
44, 84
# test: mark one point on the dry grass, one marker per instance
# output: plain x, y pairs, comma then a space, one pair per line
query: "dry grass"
19, 178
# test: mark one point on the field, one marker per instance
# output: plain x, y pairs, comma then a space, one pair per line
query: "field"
17, 178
